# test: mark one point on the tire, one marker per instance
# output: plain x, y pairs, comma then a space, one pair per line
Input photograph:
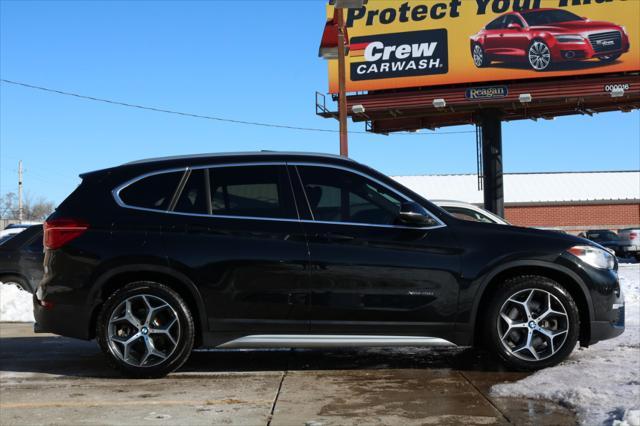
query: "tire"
609, 58
539, 56
509, 342
479, 57
146, 330
16, 280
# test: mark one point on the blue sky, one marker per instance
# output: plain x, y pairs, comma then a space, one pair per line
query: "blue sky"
251, 60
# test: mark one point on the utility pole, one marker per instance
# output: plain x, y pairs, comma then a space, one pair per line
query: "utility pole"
342, 93
20, 210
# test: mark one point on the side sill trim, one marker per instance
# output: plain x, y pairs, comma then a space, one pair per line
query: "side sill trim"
330, 341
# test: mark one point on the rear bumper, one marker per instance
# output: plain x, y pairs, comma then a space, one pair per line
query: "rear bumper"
65, 320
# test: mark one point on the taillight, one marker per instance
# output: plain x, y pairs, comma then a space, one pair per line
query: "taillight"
633, 235
58, 232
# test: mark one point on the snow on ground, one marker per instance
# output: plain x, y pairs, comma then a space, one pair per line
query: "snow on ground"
15, 304
602, 382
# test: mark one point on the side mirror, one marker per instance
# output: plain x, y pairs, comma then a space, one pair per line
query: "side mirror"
414, 214
514, 26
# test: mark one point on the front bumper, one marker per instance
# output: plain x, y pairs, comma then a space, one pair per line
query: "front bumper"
583, 50
612, 326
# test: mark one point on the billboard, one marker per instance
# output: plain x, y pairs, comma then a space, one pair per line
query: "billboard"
421, 43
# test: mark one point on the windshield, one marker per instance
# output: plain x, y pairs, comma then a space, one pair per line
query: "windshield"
547, 17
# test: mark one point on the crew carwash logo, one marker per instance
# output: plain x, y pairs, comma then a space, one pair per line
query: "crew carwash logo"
399, 55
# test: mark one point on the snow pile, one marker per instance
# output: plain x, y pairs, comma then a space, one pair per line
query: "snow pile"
601, 382
15, 304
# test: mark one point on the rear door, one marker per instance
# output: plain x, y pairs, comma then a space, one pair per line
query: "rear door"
235, 230
370, 275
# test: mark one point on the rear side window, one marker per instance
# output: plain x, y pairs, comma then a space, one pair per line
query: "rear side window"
255, 191
496, 23
152, 192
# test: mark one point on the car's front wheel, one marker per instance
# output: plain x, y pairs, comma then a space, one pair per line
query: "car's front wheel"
145, 329
533, 322
539, 56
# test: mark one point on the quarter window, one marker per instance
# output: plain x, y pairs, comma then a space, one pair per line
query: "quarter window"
336, 195
153, 192
255, 191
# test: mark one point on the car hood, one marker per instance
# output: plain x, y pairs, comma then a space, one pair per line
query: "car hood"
577, 26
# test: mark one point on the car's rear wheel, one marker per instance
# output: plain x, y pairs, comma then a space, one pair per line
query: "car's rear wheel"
480, 59
609, 58
539, 55
146, 330
533, 322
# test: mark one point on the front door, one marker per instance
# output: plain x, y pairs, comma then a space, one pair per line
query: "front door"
369, 273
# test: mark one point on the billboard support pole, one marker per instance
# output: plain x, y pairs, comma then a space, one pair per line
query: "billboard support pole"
342, 94
491, 126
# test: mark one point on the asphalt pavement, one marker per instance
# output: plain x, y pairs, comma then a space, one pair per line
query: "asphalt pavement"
45, 379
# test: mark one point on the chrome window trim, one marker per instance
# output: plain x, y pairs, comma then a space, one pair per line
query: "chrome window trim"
116, 195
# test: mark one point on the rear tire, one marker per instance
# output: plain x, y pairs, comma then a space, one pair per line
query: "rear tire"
146, 330
532, 323
479, 56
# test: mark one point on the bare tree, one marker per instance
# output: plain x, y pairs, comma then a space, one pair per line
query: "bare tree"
33, 210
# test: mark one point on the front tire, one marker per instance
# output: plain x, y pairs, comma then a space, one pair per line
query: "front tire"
532, 323
146, 330
539, 56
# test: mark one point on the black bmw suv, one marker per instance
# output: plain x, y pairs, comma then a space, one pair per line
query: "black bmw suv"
156, 257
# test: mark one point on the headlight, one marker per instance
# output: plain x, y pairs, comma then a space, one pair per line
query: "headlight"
594, 256
569, 38
624, 30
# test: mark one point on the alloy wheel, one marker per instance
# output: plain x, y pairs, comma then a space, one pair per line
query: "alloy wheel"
533, 324
478, 55
539, 56
143, 331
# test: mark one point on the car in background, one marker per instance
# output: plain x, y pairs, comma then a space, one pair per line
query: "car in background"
21, 259
15, 228
630, 242
467, 211
542, 37
264, 250
607, 239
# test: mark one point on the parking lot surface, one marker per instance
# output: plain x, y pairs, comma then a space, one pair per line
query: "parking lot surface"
47, 379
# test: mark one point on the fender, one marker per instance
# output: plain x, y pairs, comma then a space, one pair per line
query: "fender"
526, 263
138, 268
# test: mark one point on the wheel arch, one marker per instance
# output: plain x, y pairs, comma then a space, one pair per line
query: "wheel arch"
563, 276
118, 277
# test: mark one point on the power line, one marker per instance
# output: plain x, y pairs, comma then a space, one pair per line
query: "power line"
188, 114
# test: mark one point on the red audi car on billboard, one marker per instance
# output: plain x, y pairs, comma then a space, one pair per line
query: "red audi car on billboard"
543, 37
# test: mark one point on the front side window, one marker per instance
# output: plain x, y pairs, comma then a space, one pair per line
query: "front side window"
549, 17
468, 214
152, 192
254, 191
336, 195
